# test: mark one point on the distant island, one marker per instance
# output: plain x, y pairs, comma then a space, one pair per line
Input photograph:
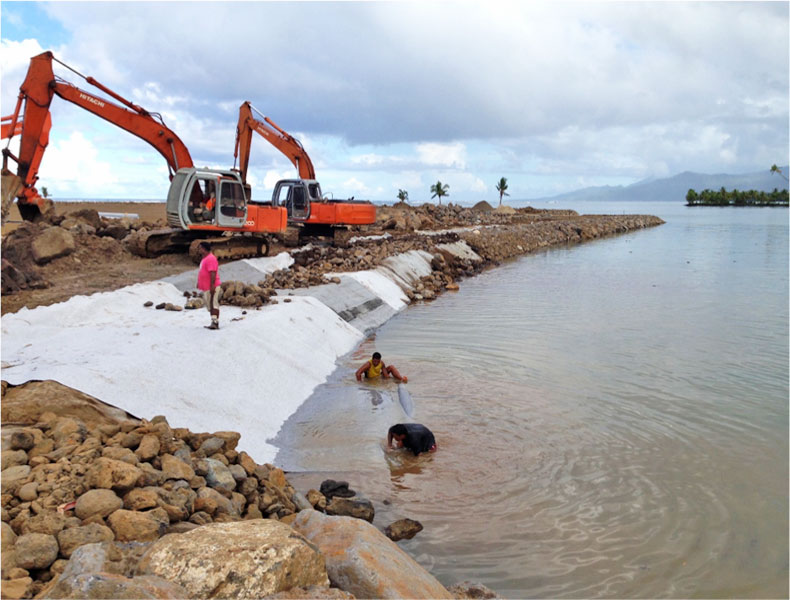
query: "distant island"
736, 197
671, 189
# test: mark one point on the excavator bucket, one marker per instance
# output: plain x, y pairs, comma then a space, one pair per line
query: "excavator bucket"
12, 184
31, 209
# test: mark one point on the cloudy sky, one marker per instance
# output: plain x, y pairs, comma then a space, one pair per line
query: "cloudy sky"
554, 96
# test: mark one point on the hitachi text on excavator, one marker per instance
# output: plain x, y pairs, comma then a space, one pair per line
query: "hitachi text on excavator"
202, 203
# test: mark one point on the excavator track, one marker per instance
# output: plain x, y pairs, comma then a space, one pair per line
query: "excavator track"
232, 247
156, 242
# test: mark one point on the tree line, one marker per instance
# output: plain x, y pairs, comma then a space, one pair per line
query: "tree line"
439, 190
736, 197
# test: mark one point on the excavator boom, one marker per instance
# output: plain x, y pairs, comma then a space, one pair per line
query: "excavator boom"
276, 136
36, 94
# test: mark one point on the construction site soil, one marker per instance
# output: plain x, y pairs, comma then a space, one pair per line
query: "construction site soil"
97, 259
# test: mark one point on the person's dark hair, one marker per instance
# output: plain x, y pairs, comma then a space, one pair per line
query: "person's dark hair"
377, 355
206, 246
399, 429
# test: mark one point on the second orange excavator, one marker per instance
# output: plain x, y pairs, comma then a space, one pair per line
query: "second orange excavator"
308, 210
202, 203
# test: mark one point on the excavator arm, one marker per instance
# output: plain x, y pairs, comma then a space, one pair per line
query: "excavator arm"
36, 94
277, 137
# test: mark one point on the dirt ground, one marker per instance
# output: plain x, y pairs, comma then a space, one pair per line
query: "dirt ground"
97, 266
146, 211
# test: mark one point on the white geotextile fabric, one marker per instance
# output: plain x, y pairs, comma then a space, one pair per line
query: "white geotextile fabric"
249, 376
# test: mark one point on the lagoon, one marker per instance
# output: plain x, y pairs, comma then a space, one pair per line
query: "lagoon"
612, 417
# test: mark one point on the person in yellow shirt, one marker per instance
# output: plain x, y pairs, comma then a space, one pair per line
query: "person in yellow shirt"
375, 367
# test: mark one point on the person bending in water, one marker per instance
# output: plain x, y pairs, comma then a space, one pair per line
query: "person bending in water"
375, 367
417, 438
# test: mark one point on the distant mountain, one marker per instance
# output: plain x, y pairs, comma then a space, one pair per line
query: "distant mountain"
674, 188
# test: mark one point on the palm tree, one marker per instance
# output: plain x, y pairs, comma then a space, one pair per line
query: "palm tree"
775, 169
45, 192
440, 189
501, 187
403, 195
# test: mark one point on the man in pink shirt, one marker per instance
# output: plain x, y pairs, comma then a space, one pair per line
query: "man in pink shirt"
208, 282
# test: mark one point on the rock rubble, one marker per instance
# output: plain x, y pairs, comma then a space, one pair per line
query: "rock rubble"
495, 234
98, 503
505, 236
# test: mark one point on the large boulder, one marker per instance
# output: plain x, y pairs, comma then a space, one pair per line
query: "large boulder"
89, 586
249, 559
148, 448
112, 474
347, 507
403, 529
362, 561
35, 550
175, 468
17, 588
13, 477
104, 571
89, 216
219, 476
212, 499
26, 403
53, 243
141, 498
8, 536
13, 458
107, 557
101, 502
72, 538
49, 522
131, 525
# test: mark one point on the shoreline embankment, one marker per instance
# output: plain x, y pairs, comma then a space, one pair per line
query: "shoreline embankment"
82, 478
265, 361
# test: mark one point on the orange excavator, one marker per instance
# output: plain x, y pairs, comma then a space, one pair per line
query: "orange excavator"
202, 203
313, 214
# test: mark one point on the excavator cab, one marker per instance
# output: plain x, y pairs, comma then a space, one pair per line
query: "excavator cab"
206, 198
297, 195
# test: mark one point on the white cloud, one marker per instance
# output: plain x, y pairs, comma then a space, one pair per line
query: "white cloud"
408, 179
67, 162
445, 155
271, 178
369, 160
355, 186
14, 61
150, 94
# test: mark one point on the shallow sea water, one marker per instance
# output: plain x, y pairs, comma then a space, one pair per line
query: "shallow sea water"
612, 417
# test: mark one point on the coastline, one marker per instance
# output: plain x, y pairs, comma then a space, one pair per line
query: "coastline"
263, 364
141, 360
